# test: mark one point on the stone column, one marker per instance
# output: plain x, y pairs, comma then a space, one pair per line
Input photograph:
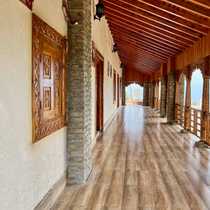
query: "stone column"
151, 94
205, 102
187, 100
146, 94
79, 93
171, 90
163, 95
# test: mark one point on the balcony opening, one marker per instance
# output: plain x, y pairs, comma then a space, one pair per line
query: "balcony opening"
196, 89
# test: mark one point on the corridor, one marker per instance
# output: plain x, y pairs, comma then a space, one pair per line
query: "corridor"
143, 163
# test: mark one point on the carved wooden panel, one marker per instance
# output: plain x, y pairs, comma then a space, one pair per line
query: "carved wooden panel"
28, 3
48, 80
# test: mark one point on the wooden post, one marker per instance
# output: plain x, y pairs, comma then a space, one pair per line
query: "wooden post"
205, 101
187, 114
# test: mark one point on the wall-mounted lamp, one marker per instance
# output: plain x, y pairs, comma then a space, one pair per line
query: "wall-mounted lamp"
114, 48
66, 13
99, 10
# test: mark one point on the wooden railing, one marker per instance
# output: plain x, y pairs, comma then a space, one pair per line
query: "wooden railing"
195, 121
179, 114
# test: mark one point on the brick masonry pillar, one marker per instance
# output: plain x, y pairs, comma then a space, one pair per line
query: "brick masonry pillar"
171, 90
151, 94
163, 97
146, 94
79, 93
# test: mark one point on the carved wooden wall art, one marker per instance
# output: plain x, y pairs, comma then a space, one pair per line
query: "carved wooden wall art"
28, 3
48, 79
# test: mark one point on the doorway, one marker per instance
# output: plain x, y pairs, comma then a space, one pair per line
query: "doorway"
99, 92
118, 90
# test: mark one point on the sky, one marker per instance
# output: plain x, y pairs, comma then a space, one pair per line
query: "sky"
196, 88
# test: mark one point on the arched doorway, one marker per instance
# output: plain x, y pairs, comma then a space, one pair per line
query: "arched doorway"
134, 94
196, 89
196, 102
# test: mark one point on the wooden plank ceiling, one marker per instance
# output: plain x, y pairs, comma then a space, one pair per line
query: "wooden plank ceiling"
148, 32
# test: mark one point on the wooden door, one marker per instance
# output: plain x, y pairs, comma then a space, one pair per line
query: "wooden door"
118, 90
99, 92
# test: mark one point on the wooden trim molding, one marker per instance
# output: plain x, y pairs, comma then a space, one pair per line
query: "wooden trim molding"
28, 3
48, 79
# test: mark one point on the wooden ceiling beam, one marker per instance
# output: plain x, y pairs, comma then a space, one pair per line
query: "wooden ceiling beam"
141, 68
143, 44
132, 10
154, 12
142, 50
150, 33
190, 7
145, 49
155, 25
127, 59
153, 31
145, 41
178, 12
140, 53
204, 3
148, 63
124, 50
145, 72
145, 37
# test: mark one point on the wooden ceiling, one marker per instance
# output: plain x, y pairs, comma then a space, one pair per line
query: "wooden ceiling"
148, 32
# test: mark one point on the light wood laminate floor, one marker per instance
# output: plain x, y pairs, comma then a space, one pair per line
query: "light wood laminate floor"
142, 163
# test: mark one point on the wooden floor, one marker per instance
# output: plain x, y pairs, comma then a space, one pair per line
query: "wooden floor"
143, 163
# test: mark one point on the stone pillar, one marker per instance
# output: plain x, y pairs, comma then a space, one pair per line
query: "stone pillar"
205, 102
171, 90
187, 100
151, 94
79, 93
180, 90
146, 94
163, 95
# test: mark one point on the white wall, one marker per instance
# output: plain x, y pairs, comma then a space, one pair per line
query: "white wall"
27, 171
103, 42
